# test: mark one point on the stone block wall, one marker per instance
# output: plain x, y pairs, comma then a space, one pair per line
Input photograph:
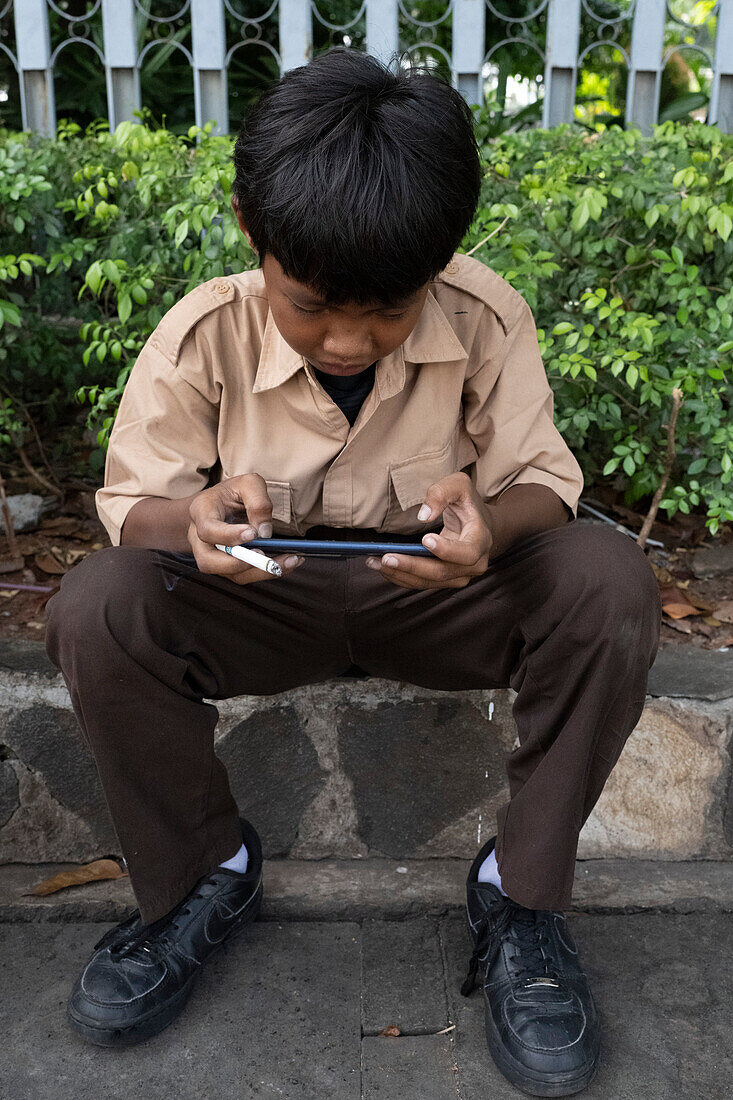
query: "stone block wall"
357, 768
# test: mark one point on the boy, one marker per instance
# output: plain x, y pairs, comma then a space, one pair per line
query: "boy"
365, 379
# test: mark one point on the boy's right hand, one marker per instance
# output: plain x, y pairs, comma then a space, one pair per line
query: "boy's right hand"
213, 519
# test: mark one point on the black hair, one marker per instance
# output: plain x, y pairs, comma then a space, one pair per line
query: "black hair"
359, 181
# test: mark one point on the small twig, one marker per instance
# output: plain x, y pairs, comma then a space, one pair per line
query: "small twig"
668, 460
35, 474
491, 234
9, 529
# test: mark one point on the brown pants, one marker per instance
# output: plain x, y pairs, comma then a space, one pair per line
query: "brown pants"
568, 618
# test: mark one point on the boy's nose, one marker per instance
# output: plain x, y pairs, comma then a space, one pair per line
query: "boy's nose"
347, 349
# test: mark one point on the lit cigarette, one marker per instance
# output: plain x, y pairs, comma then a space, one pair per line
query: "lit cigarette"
252, 557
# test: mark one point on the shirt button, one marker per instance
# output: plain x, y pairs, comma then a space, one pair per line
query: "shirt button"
222, 288
451, 268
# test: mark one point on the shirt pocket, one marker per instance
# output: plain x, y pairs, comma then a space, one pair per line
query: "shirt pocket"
410, 479
280, 493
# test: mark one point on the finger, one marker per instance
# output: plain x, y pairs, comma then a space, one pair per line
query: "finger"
427, 569
427, 574
469, 550
209, 511
250, 574
409, 580
251, 490
454, 489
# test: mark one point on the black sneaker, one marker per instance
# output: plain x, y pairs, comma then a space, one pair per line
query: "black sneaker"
140, 976
541, 1021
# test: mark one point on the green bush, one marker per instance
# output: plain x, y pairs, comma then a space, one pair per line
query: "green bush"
621, 244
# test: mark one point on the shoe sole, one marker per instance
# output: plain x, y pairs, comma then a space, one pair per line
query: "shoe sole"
517, 1074
157, 1021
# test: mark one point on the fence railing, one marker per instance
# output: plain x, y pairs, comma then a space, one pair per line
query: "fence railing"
389, 29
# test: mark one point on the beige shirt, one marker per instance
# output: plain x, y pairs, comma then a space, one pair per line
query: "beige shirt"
217, 392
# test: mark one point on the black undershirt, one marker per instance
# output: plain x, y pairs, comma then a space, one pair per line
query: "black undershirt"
348, 391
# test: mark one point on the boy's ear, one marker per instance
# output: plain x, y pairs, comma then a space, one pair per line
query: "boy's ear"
240, 219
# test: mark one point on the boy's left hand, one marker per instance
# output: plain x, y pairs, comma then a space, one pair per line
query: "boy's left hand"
461, 549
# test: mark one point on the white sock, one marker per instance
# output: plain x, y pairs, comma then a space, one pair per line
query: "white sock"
237, 862
489, 872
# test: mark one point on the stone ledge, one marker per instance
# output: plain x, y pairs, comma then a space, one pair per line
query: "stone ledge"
385, 890
367, 768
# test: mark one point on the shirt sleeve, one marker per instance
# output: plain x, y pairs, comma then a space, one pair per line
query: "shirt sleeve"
164, 440
508, 412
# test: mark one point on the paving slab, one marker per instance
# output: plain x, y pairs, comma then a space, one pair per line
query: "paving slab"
351, 889
276, 1014
664, 987
412, 1066
402, 977
684, 671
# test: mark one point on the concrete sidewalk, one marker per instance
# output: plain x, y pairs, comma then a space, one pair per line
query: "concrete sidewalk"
295, 1009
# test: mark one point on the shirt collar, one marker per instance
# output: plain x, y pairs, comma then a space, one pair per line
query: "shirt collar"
432, 340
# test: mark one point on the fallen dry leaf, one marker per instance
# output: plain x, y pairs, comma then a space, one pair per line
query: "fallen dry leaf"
724, 611
71, 557
36, 625
61, 525
8, 593
48, 563
680, 625
391, 1032
675, 602
711, 620
699, 602
95, 871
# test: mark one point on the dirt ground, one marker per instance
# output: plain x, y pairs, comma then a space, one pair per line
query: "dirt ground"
698, 608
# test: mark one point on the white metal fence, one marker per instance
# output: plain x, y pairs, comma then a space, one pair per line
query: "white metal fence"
393, 28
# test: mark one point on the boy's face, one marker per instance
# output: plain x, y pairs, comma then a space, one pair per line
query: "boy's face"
342, 340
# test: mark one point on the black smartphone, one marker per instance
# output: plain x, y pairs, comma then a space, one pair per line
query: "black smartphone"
335, 548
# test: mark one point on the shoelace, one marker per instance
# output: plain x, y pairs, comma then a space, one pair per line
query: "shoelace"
152, 938
529, 933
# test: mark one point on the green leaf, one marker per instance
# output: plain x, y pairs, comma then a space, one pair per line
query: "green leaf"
124, 307
94, 277
181, 233
581, 213
629, 465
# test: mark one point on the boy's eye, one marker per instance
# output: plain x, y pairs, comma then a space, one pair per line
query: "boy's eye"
300, 309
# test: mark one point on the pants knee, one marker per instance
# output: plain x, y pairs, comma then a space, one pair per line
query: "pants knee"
93, 592
619, 578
